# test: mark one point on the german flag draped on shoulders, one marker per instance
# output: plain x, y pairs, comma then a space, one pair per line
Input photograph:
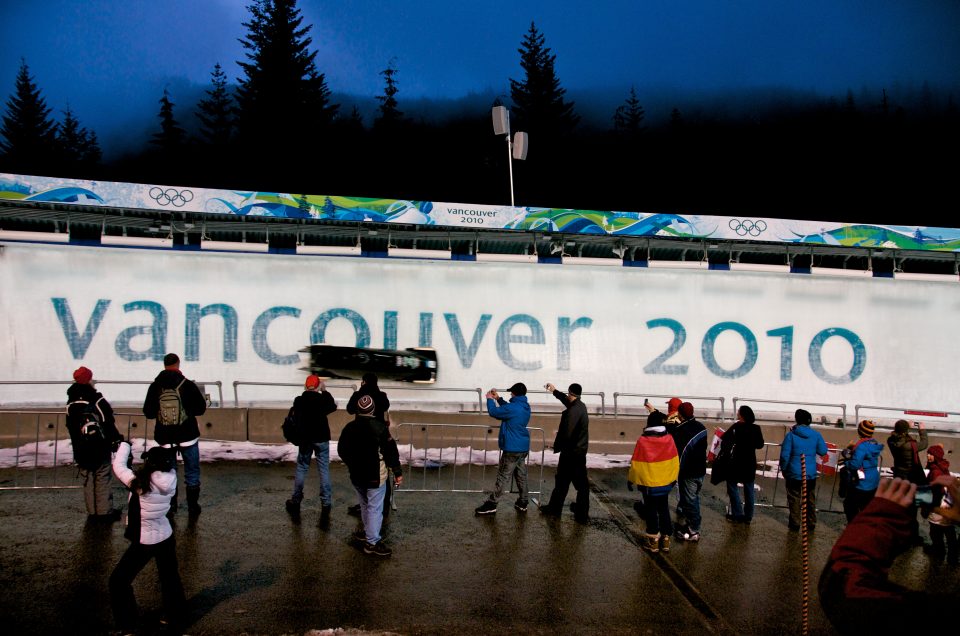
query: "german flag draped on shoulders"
655, 463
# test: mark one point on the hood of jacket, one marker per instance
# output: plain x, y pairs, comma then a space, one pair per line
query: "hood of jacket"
82, 392
802, 430
169, 379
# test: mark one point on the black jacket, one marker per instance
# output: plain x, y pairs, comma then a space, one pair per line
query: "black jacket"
367, 449
742, 441
573, 434
87, 393
690, 438
381, 404
311, 409
902, 450
193, 403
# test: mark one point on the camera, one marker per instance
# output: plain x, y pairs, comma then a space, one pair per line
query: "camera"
923, 496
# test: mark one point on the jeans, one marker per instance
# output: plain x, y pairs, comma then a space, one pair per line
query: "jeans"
741, 509
657, 514
191, 464
122, 600
689, 504
571, 468
322, 451
371, 510
97, 494
514, 464
793, 501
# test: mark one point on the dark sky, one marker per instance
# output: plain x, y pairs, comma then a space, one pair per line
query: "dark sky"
111, 59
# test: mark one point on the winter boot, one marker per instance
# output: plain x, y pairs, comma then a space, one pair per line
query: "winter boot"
193, 499
665, 543
650, 542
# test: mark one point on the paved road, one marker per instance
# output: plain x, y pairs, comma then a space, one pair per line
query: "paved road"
248, 569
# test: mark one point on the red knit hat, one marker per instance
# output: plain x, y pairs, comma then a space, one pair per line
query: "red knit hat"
312, 382
83, 375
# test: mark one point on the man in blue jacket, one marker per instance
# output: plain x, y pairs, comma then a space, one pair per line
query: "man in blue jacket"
514, 442
803, 441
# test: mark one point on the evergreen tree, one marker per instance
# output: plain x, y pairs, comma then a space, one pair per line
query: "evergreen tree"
216, 112
390, 115
538, 99
77, 147
171, 136
628, 118
28, 134
282, 98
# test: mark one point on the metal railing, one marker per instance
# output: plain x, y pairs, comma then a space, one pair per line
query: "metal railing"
58, 439
98, 382
617, 395
476, 390
842, 407
423, 449
600, 394
926, 413
238, 383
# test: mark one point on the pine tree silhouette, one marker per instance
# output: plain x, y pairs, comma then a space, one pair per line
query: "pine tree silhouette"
77, 147
538, 99
283, 101
628, 118
390, 115
216, 111
171, 136
28, 134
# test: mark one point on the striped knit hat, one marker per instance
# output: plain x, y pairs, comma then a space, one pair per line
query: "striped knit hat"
866, 428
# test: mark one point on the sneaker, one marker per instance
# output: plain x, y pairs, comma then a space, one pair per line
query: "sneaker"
681, 532
650, 543
691, 535
379, 549
486, 508
359, 536
520, 506
665, 543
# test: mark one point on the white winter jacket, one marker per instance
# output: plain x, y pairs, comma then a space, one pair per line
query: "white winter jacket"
154, 525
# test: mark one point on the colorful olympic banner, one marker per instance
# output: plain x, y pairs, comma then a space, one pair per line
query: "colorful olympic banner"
339, 208
244, 317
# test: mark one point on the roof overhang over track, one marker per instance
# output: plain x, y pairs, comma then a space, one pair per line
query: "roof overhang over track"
92, 223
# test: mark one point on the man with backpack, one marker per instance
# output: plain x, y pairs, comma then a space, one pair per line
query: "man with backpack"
312, 437
93, 434
175, 402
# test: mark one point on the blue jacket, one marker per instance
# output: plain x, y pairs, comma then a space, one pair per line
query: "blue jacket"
866, 457
801, 440
514, 416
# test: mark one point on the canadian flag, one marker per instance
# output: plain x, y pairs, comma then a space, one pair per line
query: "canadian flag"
715, 444
827, 464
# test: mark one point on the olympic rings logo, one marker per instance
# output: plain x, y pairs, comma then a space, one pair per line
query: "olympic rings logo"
746, 226
171, 196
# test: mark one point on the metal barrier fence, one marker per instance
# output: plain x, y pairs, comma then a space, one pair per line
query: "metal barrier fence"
476, 390
924, 413
53, 434
423, 438
617, 395
842, 407
199, 384
238, 383
600, 394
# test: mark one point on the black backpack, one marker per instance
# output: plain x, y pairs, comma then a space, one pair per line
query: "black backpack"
90, 447
291, 428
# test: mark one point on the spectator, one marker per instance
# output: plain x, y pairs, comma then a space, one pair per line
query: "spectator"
93, 433
690, 438
738, 458
310, 410
175, 402
571, 442
855, 593
654, 470
906, 462
514, 443
369, 385
368, 451
942, 529
673, 410
861, 458
801, 441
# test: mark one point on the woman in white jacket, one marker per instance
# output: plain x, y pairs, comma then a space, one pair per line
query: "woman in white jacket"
152, 487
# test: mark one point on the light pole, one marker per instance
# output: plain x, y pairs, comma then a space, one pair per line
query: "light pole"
517, 148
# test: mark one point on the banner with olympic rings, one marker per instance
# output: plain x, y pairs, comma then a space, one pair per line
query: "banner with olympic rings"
321, 207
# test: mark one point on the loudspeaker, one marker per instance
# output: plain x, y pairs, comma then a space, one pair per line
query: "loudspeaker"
520, 146
501, 120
